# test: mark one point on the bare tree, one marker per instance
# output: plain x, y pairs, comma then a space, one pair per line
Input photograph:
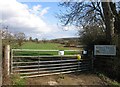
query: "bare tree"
30, 39
36, 40
86, 13
109, 20
20, 37
44, 40
81, 13
6, 36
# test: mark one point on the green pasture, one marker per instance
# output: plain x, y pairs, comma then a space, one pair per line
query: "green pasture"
37, 53
44, 46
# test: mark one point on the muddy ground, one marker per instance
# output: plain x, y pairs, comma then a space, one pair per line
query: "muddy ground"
82, 79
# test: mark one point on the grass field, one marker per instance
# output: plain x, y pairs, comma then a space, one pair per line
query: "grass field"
44, 46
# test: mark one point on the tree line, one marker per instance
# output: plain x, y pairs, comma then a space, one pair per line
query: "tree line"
17, 39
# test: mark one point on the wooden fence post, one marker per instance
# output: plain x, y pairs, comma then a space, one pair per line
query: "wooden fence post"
1, 61
7, 59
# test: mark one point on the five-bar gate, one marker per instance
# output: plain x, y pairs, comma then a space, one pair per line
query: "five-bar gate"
46, 62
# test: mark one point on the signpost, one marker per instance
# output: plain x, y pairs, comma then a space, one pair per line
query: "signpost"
105, 50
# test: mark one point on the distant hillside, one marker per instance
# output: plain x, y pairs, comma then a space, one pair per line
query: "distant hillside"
69, 39
68, 42
73, 41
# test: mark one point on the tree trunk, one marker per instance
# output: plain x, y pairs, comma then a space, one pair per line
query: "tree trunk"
109, 21
118, 45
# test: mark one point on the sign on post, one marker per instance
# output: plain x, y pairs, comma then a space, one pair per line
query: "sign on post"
105, 50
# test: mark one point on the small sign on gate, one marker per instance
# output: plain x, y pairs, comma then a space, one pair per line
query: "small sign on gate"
61, 52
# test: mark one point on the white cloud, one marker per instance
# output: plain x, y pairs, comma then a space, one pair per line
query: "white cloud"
44, 11
17, 17
37, 7
39, 11
20, 18
60, 32
70, 27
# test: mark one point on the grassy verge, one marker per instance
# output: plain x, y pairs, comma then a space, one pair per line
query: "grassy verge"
17, 81
112, 83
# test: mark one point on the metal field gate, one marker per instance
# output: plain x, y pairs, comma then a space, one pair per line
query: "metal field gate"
33, 63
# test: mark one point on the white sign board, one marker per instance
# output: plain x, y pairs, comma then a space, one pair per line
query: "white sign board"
61, 52
105, 50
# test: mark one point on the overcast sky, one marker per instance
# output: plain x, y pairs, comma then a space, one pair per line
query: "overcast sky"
35, 19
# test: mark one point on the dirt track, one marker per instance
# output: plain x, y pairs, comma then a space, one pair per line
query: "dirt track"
85, 79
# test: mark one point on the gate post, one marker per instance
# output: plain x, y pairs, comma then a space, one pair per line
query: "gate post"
1, 61
92, 60
7, 59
